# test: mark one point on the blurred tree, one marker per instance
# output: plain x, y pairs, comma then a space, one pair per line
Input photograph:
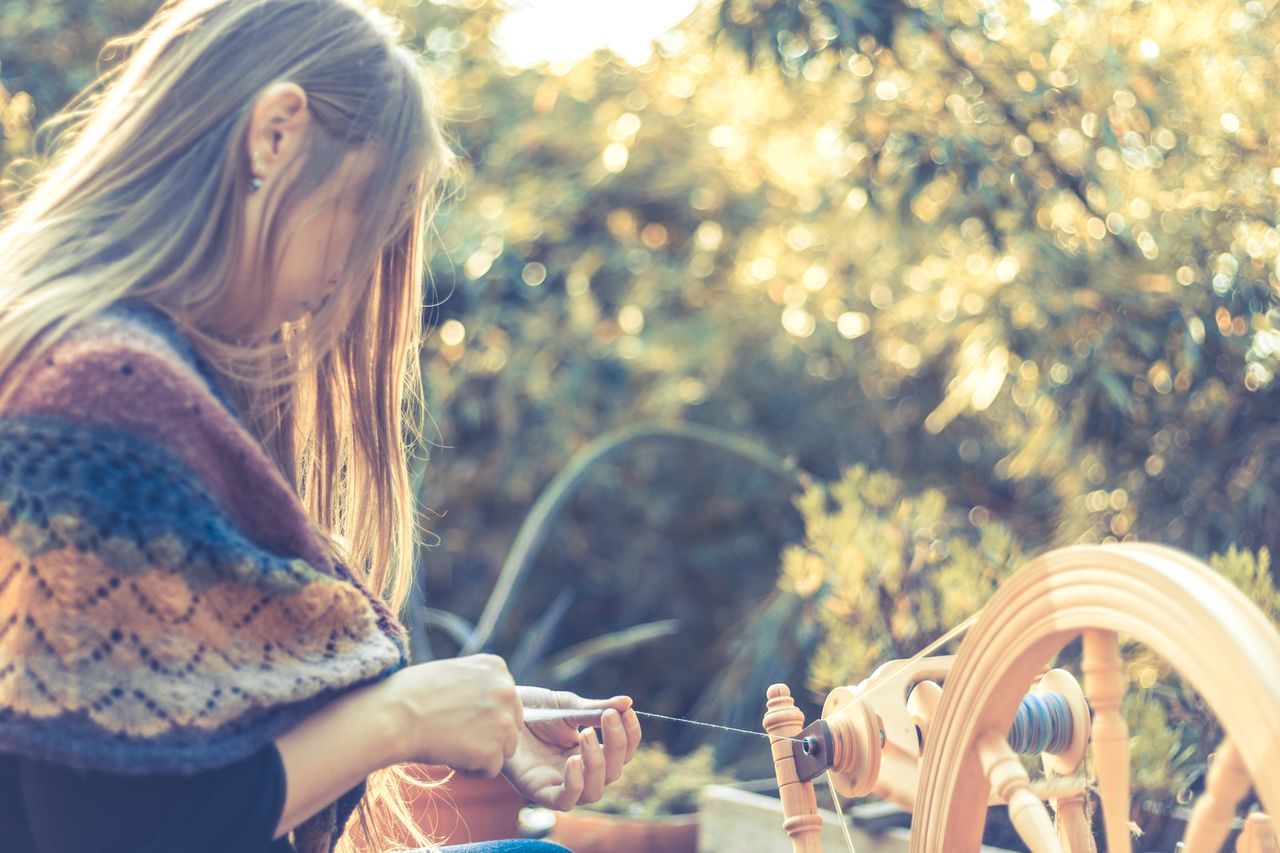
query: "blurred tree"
883, 572
48, 52
1020, 253
1072, 207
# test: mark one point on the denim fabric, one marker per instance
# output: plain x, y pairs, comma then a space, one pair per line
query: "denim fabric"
507, 846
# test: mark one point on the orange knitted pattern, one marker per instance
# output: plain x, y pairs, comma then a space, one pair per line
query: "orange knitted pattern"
165, 603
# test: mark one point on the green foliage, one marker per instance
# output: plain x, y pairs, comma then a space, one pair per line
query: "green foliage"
1070, 228
1022, 260
886, 572
889, 572
1251, 574
48, 53
657, 784
1174, 731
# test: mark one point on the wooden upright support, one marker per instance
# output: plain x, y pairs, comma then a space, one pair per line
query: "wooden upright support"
1215, 809
1104, 684
783, 721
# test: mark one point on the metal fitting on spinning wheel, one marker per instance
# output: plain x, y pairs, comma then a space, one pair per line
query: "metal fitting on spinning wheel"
948, 755
847, 740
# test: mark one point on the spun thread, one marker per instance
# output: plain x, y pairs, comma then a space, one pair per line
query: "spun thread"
714, 726
1042, 724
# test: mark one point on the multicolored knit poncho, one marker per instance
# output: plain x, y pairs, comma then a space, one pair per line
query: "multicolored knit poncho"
165, 603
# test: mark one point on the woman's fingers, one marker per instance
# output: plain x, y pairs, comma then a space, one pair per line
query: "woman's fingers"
593, 767
566, 795
631, 726
615, 746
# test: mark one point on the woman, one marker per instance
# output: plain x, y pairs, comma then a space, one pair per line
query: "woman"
209, 326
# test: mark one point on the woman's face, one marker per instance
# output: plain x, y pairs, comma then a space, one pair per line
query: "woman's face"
314, 240
315, 244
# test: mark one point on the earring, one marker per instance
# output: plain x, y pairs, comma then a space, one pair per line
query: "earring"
255, 182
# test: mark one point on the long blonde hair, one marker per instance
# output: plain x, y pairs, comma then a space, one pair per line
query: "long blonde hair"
141, 194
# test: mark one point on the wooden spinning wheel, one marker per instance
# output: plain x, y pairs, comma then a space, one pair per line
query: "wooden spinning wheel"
947, 753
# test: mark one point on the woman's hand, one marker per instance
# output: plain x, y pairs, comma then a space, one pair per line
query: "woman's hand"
559, 767
463, 713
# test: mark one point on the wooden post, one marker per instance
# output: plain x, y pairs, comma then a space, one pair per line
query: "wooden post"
1211, 817
782, 721
1104, 684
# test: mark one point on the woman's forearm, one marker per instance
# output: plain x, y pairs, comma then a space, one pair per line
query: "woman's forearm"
331, 751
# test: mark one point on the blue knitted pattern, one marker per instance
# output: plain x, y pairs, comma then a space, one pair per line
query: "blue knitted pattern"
165, 603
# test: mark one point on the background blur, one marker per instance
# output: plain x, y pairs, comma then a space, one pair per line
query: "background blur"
823, 313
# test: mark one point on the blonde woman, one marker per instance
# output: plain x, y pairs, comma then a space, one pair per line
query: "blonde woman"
210, 308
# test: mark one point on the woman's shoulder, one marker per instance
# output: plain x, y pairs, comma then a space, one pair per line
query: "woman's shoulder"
161, 333
123, 366
117, 391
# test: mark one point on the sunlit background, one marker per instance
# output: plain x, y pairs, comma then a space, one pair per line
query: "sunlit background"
563, 31
901, 292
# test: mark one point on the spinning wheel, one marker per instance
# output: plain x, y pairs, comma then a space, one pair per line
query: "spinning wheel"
946, 753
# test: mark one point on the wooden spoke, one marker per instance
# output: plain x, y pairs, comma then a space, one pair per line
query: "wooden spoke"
1104, 684
1169, 602
1215, 809
1010, 782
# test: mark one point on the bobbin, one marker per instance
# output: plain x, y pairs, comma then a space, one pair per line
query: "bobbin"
944, 751
849, 738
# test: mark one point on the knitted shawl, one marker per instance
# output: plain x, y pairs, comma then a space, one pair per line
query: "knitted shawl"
166, 605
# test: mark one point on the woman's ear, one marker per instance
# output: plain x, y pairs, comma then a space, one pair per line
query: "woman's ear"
278, 124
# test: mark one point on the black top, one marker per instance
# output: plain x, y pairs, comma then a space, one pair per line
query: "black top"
52, 808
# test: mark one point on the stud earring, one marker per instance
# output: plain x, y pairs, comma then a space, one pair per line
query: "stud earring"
255, 183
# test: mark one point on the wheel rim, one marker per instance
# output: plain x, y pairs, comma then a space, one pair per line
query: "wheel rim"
1173, 604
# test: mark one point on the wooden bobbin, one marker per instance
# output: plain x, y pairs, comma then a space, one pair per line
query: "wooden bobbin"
857, 742
1168, 601
1176, 606
783, 720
